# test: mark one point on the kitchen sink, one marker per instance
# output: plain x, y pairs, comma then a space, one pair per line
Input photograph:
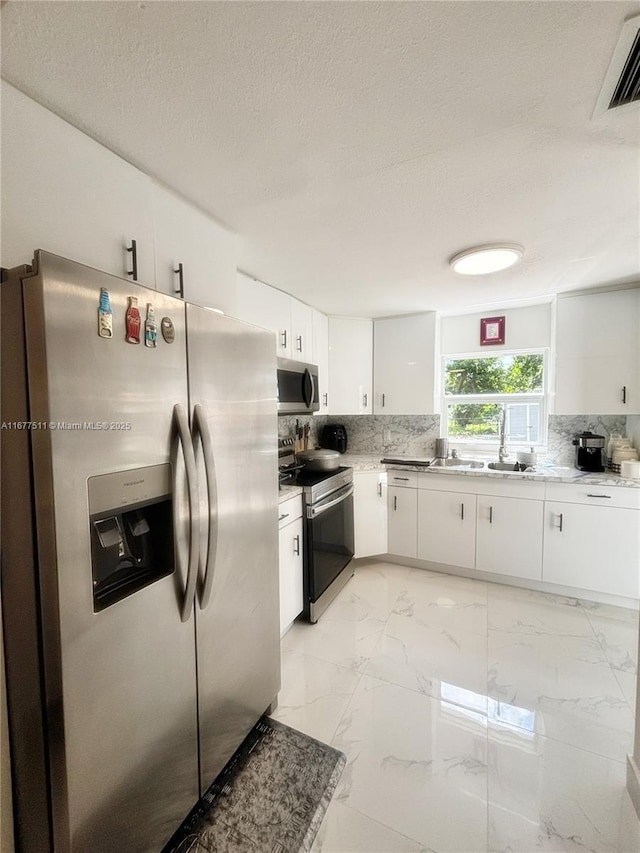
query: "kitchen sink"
456, 462
514, 467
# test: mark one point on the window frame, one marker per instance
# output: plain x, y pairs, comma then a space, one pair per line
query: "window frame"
477, 445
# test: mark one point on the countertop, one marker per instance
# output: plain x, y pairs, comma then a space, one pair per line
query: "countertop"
287, 492
553, 474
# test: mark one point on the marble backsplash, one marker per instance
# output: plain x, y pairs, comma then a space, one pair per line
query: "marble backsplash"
287, 426
415, 435
562, 428
406, 435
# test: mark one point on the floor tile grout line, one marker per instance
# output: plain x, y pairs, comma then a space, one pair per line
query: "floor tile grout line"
381, 823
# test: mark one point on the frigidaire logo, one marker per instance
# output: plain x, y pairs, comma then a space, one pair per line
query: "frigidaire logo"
134, 483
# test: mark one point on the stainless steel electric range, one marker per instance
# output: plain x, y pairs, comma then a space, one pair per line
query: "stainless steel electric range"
328, 532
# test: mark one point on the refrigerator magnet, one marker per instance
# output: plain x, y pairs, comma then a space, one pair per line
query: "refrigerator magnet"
150, 328
133, 321
105, 315
168, 330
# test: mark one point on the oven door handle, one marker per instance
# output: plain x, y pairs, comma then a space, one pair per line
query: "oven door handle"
315, 511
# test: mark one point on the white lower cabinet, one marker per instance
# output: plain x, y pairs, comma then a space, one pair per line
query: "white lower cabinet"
402, 505
577, 535
291, 595
509, 536
370, 512
447, 528
592, 547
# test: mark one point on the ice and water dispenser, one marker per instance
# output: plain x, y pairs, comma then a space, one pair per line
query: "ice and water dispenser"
131, 522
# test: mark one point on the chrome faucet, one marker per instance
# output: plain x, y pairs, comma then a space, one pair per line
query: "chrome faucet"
502, 450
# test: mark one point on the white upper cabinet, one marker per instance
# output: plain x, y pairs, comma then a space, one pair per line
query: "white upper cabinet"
69, 195
267, 307
404, 364
207, 252
598, 353
301, 331
351, 366
321, 357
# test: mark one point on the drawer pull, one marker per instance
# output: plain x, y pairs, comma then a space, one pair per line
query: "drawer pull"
599, 496
285, 515
404, 479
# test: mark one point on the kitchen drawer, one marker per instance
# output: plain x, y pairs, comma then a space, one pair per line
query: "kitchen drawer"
511, 488
448, 483
289, 510
613, 496
403, 479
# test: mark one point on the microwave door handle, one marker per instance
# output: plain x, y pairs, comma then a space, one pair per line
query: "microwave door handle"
201, 431
307, 388
314, 512
184, 437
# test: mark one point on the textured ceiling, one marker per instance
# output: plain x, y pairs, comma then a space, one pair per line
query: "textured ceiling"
355, 146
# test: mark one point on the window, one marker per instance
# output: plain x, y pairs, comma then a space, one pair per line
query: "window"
479, 389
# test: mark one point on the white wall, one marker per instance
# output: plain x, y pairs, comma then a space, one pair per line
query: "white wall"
525, 328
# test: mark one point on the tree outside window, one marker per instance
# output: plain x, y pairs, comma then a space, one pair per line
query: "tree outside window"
477, 390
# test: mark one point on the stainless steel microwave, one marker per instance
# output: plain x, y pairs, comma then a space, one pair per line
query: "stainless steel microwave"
297, 387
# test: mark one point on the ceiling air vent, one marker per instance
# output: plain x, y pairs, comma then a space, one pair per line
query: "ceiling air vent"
628, 86
622, 83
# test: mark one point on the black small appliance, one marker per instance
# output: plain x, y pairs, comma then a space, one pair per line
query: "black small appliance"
334, 437
589, 448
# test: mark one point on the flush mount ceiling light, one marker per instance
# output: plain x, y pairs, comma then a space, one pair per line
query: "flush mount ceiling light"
485, 259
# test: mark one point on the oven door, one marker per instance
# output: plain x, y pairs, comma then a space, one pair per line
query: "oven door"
329, 544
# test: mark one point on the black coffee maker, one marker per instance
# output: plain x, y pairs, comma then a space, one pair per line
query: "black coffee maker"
334, 437
589, 448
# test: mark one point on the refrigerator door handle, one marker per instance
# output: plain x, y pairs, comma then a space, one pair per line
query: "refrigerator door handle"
201, 431
182, 425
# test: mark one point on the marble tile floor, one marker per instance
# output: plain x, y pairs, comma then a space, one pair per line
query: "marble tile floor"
476, 717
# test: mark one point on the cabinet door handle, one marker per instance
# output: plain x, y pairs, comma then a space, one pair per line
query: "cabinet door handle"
402, 479
133, 248
384, 396
608, 497
284, 515
180, 273
561, 522
299, 343
624, 394
395, 503
365, 397
296, 545
490, 515
283, 338
379, 490
326, 399
461, 512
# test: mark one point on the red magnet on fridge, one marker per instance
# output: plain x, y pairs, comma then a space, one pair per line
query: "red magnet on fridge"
133, 321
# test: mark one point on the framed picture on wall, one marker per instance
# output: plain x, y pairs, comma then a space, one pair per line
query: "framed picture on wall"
492, 331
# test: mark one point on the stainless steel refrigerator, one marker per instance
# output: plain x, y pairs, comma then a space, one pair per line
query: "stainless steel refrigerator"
139, 552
